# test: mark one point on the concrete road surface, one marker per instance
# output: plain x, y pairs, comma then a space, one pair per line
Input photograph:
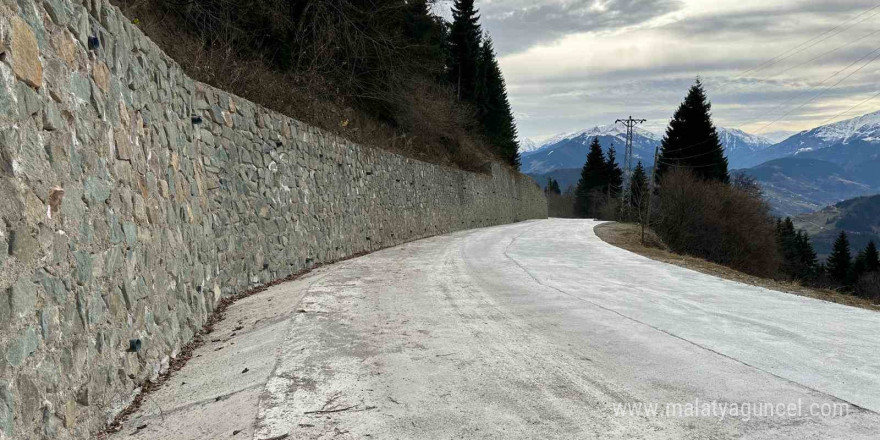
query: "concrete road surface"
532, 330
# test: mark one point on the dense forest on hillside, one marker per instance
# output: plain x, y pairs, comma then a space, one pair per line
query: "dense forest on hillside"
384, 73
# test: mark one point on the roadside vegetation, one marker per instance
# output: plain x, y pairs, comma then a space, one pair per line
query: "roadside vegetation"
696, 207
628, 236
384, 73
559, 204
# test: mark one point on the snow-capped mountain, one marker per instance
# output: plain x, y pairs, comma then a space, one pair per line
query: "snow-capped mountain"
569, 150
526, 145
736, 140
740, 146
864, 128
778, 136
853, 144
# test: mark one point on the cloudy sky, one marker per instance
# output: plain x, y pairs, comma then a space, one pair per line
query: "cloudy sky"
573, 64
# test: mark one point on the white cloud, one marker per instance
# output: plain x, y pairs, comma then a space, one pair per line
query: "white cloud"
571, 64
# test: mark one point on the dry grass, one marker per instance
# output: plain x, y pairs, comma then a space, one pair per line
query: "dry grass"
627, 236
420, 118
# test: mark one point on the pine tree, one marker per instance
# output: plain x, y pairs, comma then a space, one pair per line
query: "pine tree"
464, 48
593, 177
494, 108
691, 140
807, 257
871, 257
865, 262
787, 242
638, 185
553, 186
427, 36
840, 261
638, 195
614, 174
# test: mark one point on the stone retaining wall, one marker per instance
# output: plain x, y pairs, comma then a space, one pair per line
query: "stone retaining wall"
133, 198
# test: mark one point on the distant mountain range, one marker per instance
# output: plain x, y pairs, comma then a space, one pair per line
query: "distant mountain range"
822, 166
739, 145
569, 151
567, 177
853, 144
802, 173
859, 217
526, 145
778, 136
795, 185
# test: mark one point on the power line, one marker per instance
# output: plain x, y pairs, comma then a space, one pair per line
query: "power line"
678, 165
822, 92
795, 97
824, 53
794, 51
850, 109
784, 104
782, 56
877, 50
742, 85
712, 151
820, 41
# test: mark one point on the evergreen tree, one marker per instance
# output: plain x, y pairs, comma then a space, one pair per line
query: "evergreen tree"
871, 257
464, 48
638, 185
556, 189
593, 177
866, 261
787, 242
494, 108
427, 35
799, 259
691, 141
614, 174
638, 195
808, 267
840, 261
553, 186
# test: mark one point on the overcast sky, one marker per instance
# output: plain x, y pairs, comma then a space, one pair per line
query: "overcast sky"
574, 64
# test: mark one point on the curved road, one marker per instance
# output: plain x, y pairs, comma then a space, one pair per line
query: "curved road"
532, 330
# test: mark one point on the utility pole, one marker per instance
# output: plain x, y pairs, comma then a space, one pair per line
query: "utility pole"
647, 222
630, 124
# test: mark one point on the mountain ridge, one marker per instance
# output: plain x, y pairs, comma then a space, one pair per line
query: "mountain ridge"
570, 147
859, 217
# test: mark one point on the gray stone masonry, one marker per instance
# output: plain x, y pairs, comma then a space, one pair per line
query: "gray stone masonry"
120, 218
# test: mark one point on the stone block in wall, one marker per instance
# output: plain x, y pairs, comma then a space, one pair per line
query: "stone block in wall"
58, 11
7, 410
24, 53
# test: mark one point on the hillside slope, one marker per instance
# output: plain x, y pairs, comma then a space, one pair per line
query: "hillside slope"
854, 144
570, 150
796, 185
859, 217
567, 177
375, 75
